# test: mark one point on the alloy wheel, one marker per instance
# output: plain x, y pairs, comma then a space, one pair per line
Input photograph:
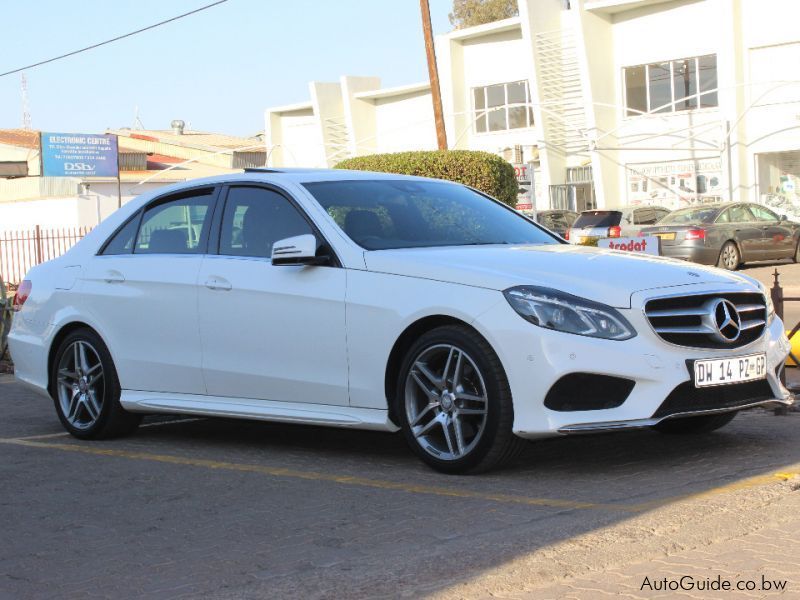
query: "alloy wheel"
446, 402
81, 384
730, 257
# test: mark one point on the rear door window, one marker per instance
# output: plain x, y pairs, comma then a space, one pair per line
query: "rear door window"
122, 241
178, 225
740, 214
598, 218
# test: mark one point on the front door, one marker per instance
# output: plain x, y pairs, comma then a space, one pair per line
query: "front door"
778, 237
747, 232
270, 332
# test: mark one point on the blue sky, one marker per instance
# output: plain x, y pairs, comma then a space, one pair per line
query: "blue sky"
217, 70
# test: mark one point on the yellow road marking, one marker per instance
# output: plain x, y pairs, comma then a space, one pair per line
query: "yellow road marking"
743, 484
317, 476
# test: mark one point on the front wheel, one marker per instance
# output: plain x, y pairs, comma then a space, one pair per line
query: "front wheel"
86, 390
701, 424
454, 403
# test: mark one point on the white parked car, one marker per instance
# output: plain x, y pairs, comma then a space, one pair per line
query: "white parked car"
384, 302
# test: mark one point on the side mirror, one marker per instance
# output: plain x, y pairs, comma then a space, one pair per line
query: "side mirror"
783, 218
298, 250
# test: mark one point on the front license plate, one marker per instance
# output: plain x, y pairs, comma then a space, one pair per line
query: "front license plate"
665, 236
722, 371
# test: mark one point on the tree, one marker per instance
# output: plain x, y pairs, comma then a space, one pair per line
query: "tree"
468, 13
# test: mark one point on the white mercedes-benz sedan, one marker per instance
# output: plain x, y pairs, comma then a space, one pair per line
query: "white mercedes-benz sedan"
384, 302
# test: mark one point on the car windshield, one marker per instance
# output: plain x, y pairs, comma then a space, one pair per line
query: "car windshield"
383, 214
598, 218
687, 216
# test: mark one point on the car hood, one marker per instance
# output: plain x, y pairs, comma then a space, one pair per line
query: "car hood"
607, 276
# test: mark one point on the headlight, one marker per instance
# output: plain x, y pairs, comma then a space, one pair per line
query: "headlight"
556, 310
770, 305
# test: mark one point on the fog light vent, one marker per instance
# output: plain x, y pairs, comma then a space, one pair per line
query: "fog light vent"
587, 391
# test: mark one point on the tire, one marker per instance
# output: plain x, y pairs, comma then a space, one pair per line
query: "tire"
729, 257
693, 425
86, 390
796, 257
431, 410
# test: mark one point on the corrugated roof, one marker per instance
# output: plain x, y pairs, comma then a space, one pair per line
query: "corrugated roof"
29, 138
194, 139
24, 138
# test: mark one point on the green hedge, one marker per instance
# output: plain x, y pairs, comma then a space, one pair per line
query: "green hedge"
481, 170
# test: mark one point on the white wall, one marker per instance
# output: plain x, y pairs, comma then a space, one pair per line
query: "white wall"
404, 123
486, 60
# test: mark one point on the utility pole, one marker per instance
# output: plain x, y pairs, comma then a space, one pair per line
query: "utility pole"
26, 112
433, 74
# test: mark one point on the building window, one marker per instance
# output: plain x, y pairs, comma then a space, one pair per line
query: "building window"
671, 86
502, 106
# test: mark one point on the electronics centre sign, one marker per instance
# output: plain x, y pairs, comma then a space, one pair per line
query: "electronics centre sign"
79, 154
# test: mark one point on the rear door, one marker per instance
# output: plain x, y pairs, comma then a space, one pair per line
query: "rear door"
141, 290
270, 332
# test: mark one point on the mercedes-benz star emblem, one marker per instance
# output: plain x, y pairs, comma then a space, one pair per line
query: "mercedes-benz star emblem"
726, 319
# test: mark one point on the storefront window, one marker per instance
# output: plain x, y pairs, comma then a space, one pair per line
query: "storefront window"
636, 88
672, 86
502, 106
660, 87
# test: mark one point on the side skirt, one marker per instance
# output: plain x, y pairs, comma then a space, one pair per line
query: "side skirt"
262, 410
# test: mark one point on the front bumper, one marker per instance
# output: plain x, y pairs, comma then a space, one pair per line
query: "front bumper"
535, 359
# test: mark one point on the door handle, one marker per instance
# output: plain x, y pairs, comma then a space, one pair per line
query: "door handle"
113, 277
218, 283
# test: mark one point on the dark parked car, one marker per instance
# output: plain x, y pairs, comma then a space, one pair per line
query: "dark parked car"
626, 221
726, 235
558, 221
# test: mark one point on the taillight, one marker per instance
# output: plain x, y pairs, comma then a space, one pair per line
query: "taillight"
696, 234
23, 291
641, 234
614, 231
566, 234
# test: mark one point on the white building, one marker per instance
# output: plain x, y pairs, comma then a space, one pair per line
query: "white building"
616, 102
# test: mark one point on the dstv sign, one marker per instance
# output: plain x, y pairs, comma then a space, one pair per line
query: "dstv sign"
79, 154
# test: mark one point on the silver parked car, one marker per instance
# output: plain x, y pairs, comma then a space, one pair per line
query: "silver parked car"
627, 221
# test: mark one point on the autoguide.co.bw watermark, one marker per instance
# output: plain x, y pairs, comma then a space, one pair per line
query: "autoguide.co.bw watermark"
690, 583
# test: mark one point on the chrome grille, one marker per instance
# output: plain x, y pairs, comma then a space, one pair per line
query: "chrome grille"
686, 320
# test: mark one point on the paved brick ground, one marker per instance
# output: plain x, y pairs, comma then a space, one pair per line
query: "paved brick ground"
228, 509
762, 564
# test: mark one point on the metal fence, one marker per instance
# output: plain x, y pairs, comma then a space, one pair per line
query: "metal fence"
20, 250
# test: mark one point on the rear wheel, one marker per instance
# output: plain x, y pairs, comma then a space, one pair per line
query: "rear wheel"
454, 403
796, 257
729, 257
86, 390
702, 424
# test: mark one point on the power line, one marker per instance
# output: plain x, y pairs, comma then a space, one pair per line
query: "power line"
116, 39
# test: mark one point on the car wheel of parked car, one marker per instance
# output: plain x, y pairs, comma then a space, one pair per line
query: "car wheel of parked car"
729, 257
454, 403
702, 424
797, 253
86, 390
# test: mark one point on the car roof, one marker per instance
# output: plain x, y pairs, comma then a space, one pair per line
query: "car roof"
298, 175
